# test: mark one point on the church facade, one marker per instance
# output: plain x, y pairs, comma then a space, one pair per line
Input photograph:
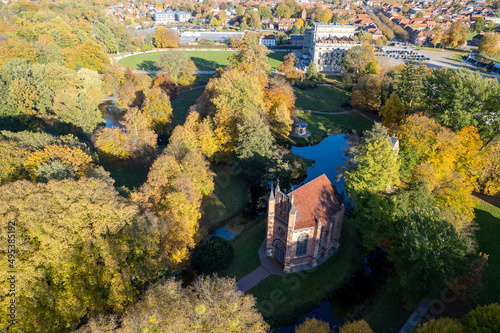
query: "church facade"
327, 43
303, 226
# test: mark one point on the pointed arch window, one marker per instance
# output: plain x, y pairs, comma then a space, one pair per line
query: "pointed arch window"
301, 244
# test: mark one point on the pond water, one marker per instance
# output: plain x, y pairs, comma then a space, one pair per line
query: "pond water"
111, 114
328, 156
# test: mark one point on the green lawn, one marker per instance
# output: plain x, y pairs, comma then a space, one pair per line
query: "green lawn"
384, 312
183, 102
204, 60
281, 299
471, 35
488, 238
246, 247
322, 98
321, 125
229, 197
129, 175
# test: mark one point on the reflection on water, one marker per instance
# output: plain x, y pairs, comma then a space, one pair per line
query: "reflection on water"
111, 114
329, 155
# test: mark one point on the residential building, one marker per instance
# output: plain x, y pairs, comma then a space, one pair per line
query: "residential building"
268, 40
297, 40
164, 17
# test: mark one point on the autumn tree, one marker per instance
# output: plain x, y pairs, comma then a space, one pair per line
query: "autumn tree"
12, 157
440, 325
265, 12
456, 34
313, 325
177, 181
489, 44
392, 112
179, 66
358, 326
89, 55
480, 24
282, 10
366, 94
280, 100
166, 38
210, 304
358, 59
157, 110
289, 69
326, 15
96, 233
251, 56
484, 318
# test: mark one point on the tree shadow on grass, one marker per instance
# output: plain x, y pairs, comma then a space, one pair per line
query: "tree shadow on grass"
148, 65
206, 65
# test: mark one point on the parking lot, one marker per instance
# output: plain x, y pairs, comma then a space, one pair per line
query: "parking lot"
432, 59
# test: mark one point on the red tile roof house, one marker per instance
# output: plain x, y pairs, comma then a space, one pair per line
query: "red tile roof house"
303, 226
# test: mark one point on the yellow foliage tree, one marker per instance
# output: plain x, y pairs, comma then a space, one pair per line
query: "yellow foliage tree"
393, 111
157, 110
69, 156
166, 38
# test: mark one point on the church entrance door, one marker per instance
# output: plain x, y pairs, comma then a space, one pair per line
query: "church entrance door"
279, 252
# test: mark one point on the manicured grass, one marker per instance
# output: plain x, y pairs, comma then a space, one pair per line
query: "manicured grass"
471, 35
333, 79
488, 238
129, 175
384, 312
276, 59
229, 197
281, 299
322, 98
182, 103
246, 247
204, 60
321, 125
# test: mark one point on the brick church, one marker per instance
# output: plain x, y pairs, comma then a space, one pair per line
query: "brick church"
303, 226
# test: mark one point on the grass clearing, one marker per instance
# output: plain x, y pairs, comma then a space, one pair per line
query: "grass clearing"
182, 103
488, 239
321, 125
130, 175
204, 60
229, 197
322, 98
384, 312
246, 247
282, 299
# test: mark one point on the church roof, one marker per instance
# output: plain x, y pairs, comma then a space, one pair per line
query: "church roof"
317, 199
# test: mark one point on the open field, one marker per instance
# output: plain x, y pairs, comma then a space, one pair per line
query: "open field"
246, 247
488, 239
228, 198
321, 125
384, 312
130, 175
204, 60
322, 98
182, 103
301, 292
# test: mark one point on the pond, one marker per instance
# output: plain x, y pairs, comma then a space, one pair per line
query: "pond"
339, 308
328, 156
111, 114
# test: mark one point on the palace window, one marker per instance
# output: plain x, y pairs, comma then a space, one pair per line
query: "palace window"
301, 244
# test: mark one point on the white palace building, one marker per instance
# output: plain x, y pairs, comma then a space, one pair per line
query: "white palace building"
327, 43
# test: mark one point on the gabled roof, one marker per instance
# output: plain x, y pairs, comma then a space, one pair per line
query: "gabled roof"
315, 200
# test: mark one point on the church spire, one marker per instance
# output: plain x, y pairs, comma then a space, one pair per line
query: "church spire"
278, 186
271, 196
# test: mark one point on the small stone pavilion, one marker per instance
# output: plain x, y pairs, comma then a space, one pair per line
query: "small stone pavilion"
303, 226
300, 129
